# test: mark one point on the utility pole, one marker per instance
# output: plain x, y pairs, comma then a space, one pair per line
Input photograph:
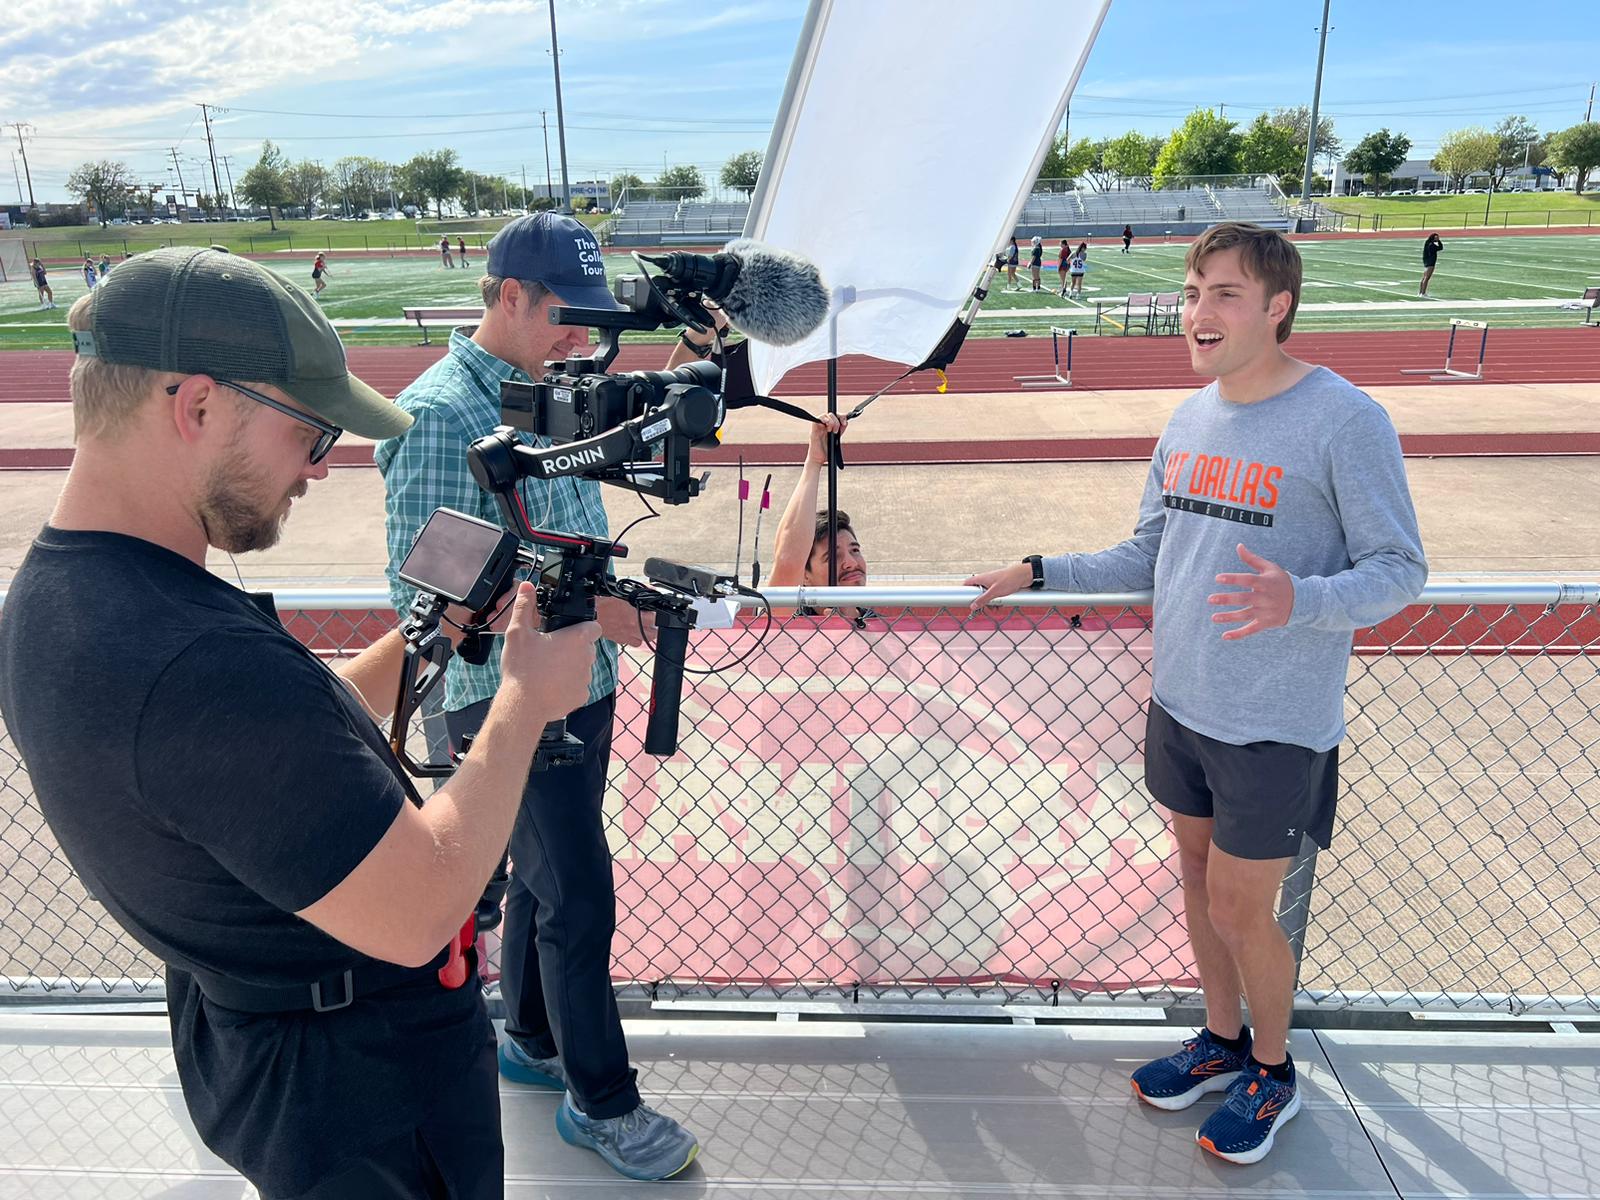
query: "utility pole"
1588, 113
18, 177
216, 180
20, 127
561, 121
233, 199
524, 186
474, 193
1316, 102
183, 192
549, 195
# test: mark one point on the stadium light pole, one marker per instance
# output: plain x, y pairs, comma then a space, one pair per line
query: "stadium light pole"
561, 121
1316, 101
549, 192
20, 126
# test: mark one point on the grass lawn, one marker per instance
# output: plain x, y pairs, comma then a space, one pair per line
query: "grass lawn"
246, 237
1372, 283
1449, 212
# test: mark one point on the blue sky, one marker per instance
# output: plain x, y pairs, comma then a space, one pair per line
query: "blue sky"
651, 80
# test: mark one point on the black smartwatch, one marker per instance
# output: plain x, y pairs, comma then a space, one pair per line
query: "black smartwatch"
1037, 563
699, 350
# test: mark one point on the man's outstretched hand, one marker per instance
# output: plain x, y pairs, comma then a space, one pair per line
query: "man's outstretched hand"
1265, 603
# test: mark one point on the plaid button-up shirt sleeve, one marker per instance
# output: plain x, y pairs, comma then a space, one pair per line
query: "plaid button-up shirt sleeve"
426, 469
454, 403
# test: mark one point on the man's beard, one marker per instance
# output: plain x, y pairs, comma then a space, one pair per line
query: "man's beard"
234, 517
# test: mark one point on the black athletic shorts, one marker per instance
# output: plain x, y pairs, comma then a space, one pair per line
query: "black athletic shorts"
1263, 796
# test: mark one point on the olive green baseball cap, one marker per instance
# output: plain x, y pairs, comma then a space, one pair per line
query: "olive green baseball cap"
202, 311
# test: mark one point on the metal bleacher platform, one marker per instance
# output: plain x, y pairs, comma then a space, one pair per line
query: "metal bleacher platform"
642, 222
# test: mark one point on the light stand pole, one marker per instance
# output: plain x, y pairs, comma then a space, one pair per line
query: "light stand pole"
561, 124
1316, 101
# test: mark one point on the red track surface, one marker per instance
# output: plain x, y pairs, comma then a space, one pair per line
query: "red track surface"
1561, 355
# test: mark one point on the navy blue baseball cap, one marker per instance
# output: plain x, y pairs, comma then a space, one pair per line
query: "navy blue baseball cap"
558, 252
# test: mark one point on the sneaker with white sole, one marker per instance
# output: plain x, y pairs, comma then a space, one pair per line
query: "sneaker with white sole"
1202, 1066
642, 1144
1241, 1131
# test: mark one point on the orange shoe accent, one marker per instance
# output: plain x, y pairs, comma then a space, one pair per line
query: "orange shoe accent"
1206, 1144
1136, 1090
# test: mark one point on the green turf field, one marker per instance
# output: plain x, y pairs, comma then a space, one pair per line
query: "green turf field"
1364, 284
1468, 211
247, 237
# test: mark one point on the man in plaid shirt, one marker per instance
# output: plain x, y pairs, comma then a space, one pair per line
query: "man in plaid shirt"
563, 1031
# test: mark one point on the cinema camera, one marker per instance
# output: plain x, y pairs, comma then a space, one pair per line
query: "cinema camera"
632, 430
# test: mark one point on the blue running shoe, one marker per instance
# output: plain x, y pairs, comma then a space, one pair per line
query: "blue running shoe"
1241, 1131
1177, 1081
641, 1144
517, 1065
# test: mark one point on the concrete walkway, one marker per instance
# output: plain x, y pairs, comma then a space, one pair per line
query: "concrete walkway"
846, 1110
1481, 514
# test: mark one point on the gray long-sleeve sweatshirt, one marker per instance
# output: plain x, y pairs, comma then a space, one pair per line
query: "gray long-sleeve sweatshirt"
1310, 479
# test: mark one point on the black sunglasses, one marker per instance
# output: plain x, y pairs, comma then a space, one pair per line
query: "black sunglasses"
329, 434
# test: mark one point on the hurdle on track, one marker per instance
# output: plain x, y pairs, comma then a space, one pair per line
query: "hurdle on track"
1448, 373
1058, 379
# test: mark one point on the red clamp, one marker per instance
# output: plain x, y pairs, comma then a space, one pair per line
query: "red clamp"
455, 971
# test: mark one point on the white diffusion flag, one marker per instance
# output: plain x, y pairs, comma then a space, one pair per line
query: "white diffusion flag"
909, 136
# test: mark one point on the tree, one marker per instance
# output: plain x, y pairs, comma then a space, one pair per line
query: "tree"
680, 183
741, 172
1269, 149
265, 184
630, 183
308, 182
1298, 119
103, 185
1577, 149
432, 175
1377, 155
1464, 153
1128, 157
1066, 162
1514, 138
1205, 144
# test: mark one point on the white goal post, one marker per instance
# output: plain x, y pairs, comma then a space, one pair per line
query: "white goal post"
13, 262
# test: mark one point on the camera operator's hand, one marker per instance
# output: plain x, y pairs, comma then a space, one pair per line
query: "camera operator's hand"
549, 672
1004, 581
620, 622
830, 423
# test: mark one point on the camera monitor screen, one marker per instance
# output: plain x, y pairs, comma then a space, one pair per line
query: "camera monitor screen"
458, 557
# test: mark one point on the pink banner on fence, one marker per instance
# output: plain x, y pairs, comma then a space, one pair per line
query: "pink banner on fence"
923, 800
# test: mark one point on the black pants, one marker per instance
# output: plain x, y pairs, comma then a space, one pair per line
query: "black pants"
561, 910
456, 1154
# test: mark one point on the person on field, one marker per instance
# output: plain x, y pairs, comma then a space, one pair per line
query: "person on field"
1127, 238
319, 268
1012, 256
1430, 260
1079, 267
1036, 261
444, 252
1276, 520
41, 280
1063, 261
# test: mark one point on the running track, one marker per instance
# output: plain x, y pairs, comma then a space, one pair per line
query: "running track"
1559, 355
1570, 355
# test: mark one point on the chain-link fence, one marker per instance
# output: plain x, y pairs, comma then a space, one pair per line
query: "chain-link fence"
922, 802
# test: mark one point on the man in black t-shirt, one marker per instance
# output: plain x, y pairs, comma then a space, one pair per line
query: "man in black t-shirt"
227, 796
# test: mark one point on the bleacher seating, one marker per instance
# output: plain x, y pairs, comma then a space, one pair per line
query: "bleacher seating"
1139, 207
675, 219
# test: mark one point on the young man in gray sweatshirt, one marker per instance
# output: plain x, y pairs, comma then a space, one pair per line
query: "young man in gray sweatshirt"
1276, 521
